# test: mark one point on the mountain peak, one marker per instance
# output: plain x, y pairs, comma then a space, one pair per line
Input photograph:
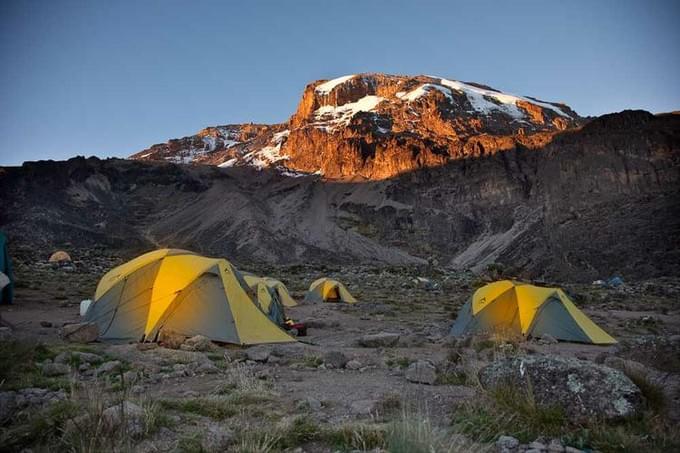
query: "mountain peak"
377, 125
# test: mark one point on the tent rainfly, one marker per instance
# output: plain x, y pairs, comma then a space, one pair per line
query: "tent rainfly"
266, 297
518, 308
183, 292
281, 291
328, 290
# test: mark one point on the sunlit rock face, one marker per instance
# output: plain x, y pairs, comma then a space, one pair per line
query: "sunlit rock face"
378, 126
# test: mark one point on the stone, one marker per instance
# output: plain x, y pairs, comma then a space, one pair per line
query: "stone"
535, 445
353, 365
84, 332
258, 353
555, 446
207, 368
379, 340
334, 359
171, 339
507, 443
627, 366
199, 343
55, 369
422, 372
133, 415
312, 404
583, 389
45, 324
572, 450
109, 367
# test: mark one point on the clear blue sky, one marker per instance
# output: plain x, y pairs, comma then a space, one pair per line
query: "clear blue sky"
109, 78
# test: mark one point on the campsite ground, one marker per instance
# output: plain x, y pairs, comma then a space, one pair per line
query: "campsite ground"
326, 393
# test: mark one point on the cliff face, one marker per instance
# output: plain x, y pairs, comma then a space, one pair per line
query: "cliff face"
586, 203
378, 126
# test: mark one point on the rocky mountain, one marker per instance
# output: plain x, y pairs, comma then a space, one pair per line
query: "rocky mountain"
579, 204
377, 126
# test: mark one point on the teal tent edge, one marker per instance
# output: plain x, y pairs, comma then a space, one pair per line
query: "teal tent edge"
7, 293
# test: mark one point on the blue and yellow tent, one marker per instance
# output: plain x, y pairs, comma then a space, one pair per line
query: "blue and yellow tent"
518, 308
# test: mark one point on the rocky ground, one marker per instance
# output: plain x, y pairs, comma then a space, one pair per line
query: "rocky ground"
382, 374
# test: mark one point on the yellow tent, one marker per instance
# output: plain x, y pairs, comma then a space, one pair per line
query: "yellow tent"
328, 290
278, 288
266, 297
59, 256
183, 292
282, 291
527, 310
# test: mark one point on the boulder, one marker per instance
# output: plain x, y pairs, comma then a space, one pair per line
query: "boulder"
128, 412
582, 389
84, 332
379, 340
335, 359
198, 343
422, 372
171, 339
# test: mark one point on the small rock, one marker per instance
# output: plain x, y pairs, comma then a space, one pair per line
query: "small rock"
108, 367
572, 450
258, 353
536, 446
555, 446
335, 359
379, 340
130, 412
421, 372
84, 332
55, 369
507, 443
353, 365
45, 324
207, 368
171, 339
199, 343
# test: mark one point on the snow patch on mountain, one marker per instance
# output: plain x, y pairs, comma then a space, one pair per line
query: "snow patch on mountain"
327, 87
332, 116
485, 101
423, 90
